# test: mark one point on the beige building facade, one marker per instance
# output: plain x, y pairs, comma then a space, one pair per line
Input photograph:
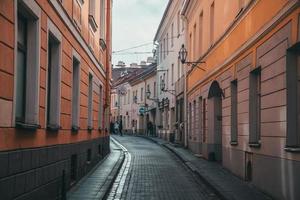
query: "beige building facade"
243, 101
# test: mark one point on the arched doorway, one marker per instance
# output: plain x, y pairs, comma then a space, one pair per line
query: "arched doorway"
215, 122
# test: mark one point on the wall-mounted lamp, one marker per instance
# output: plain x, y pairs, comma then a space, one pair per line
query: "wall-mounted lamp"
182, 55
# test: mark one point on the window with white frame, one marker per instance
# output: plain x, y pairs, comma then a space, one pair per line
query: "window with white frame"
172, 35
53, 80
27, 66
102, 19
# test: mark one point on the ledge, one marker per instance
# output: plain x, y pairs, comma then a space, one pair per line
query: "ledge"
53, 128
26, 126
75, 129
254, 144
233, 143
292, 149
89, 128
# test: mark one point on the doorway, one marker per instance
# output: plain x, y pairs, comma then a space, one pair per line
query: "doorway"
215, 122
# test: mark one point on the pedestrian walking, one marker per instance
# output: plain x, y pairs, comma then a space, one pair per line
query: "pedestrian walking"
112, 127
121, 128
116, 127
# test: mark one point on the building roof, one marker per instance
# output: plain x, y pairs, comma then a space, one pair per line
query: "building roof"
162, 19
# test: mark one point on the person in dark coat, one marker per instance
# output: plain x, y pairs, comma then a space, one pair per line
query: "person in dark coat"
121, 127
112, 128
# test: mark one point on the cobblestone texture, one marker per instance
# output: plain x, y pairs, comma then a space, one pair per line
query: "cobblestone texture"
156, 174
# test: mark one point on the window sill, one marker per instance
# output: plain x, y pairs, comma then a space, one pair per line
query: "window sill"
53, 128
292, 149
26, 126
254, 144
75, 129
233, 143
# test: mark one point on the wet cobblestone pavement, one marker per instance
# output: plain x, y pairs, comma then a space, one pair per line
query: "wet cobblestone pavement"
151, 172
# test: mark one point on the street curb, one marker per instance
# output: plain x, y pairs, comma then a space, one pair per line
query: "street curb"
112, 176
193, 169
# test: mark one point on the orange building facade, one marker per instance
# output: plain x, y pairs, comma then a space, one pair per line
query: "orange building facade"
243, 102
55, 59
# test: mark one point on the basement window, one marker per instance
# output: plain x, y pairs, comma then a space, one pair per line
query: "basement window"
88, 156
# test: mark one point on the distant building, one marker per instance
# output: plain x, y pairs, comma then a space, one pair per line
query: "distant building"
54, 94
170, 36
243, 102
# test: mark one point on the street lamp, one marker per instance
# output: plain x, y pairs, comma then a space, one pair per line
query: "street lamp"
148, 95
182, 55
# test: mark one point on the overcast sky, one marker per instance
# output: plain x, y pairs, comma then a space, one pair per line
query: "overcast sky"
135, 23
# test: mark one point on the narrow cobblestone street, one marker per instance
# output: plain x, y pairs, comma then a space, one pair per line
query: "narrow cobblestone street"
157, 174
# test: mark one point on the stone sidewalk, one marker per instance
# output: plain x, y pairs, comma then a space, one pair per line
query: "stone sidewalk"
97, 183
224, 183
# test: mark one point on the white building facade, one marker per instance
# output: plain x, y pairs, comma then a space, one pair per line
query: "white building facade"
169, 37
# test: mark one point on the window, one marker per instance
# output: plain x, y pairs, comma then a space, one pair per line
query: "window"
21, 69
92, 14
204, 120
102, 20
154, 89
90, 102
142, 94
148, 88
73, 169
212, 22
164, 50
254, 110
194, 42
161, 52
100, 114
172, 35
91, 39
167, 43
200, 116
88, 156
234, 125
191, 47
161, 82
27, 67
178, 69
172, 74
178, 24
75, 94
293, 97
77, 9
200, 33
53, 84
